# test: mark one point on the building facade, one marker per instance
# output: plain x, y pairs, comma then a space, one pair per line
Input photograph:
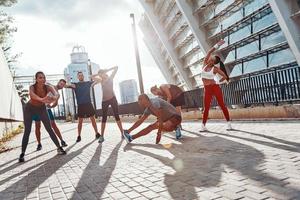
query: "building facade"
128, 91
259, 34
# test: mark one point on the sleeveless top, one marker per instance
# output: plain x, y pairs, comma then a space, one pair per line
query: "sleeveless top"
41, 94
208, 75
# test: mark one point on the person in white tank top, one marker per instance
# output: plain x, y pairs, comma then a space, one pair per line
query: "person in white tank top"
211, 88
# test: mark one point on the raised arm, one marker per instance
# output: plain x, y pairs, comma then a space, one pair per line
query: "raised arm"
114, 71
96, 79
72, 86
215, 47
138, 122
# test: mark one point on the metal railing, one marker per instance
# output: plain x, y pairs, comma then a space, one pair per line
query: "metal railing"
275, 86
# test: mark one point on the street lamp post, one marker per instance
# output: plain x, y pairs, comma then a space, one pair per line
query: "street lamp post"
137, 56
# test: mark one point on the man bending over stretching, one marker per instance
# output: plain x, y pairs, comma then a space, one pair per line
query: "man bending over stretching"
167, 118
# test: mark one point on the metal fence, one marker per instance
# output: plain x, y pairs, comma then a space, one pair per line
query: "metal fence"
275, 86
271, 86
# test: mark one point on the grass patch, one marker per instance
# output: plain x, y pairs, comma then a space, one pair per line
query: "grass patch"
8, 135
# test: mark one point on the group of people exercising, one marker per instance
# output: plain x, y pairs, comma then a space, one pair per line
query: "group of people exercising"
166, 107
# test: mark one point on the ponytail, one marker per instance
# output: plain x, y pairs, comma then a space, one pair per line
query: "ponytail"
222, 66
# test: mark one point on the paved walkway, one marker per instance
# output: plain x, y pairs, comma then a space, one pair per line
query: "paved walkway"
257, 161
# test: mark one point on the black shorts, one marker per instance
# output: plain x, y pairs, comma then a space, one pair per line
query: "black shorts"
178, 101
86, 110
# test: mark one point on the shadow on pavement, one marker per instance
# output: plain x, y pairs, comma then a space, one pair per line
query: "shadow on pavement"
42, 173
199, 162
96, 177
270, 138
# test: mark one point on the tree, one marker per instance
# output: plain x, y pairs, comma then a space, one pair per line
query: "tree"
6, 32
7, 2
23, 93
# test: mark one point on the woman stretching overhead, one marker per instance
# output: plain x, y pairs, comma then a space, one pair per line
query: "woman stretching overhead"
211, 88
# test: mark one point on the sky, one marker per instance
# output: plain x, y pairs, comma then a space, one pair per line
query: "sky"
48, 30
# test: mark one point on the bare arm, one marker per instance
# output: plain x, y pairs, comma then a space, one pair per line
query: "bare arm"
221, 42
138, 122
72, 86
219, 71
115, 69
166, 90
96, 78
36, 97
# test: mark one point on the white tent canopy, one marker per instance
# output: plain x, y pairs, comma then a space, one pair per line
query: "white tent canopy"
10, 103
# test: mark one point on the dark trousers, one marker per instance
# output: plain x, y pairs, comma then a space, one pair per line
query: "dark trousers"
114, 105
41, 111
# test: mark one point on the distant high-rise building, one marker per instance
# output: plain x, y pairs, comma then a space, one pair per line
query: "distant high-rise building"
80, 62
129, 91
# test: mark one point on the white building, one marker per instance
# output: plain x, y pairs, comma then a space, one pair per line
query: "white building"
128, 91
80, 62
259, 35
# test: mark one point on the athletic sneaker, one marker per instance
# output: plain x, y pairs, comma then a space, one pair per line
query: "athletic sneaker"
127, 137
101, 139
178, 132
39, 147
229, 127
203, 128
78, 139
61, 151
63, 143
98, 135
21, 158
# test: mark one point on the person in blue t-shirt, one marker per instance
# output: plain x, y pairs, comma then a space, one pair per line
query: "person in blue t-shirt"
85, 107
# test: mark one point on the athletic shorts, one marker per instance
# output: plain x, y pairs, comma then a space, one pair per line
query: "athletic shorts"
85, 110
178, 101
37, 117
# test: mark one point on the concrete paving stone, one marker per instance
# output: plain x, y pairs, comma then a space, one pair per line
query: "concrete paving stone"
132, 194
124, 188
117, 195
254, 188
150, 194
253, 195
208, 194
256, 161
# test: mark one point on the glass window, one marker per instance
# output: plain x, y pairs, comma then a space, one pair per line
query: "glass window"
221, 6
247, 49
237, 16
236, 71
254, 5
281, 57
230, 57
255, 65
272, 40
264, 22
240, 34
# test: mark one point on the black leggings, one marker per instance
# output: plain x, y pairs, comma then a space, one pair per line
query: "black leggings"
30, 111
114, 105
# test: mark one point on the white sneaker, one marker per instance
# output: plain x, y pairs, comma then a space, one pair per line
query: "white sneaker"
229, 127
203, 128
